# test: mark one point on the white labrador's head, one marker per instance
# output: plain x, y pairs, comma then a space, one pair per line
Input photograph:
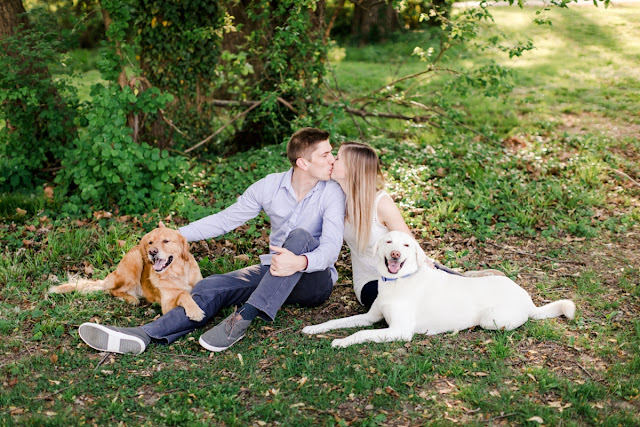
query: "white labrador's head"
397, 255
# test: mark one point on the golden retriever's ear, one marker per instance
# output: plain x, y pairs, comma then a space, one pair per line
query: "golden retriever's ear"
161, 224
185, 247
142, 245
421, 257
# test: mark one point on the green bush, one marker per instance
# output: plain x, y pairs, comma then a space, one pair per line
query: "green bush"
106, 168
37, 110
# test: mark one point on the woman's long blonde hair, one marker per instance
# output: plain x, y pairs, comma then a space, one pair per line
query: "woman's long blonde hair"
363, 180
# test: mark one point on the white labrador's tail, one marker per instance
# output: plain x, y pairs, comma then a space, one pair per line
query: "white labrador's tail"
78, 284
554, 309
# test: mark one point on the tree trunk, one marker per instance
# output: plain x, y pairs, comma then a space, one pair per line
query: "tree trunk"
12, 14
373, 20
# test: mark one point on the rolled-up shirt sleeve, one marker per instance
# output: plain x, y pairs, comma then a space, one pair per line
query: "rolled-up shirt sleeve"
328, 250
248, 206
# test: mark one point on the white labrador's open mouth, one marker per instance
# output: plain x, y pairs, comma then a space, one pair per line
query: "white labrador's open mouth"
393, 266
159, 264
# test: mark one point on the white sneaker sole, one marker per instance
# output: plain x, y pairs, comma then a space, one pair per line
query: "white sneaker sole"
102, 338
216, 349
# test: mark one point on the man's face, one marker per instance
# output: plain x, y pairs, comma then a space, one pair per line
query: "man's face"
320, 163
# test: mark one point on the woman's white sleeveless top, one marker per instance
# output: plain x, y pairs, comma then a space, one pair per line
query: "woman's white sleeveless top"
364, 265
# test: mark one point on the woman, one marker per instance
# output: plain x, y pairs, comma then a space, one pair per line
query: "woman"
370, 214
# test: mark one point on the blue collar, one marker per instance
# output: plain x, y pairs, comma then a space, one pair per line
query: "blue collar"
387, 279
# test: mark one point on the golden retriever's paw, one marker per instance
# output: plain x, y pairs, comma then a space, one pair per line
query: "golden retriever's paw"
313, 329
195, 314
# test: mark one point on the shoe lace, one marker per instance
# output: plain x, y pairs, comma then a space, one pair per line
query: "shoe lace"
231, 323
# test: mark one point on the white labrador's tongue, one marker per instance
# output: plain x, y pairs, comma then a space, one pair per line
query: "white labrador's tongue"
393, 266
159, 264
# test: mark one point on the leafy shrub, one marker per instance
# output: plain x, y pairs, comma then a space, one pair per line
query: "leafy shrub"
106, 168
37, 110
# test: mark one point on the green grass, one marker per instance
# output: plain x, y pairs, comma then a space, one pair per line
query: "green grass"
550, 214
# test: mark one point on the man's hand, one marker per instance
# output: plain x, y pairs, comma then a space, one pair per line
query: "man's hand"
284, 262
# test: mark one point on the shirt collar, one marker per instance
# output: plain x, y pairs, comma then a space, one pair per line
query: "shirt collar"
286, 183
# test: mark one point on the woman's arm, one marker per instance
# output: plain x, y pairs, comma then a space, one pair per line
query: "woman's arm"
390, 216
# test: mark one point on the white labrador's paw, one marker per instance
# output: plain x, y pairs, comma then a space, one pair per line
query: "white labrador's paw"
313, 329
341, 343
195, 315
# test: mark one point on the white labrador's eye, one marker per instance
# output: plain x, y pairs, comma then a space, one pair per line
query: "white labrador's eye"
406, 245
389, 241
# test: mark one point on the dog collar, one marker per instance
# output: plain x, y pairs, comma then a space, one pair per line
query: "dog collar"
387, 279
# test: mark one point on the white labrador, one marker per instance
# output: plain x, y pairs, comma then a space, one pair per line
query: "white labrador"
416, 299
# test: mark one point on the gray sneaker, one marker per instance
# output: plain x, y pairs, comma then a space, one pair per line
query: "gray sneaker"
113, 339
225, 334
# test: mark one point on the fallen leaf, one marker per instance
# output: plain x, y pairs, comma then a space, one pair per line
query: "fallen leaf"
30, 227
121, 243
391, 391
242, 257
302, 381
536, 419
21, 211
53, 358
88, 270
48, 192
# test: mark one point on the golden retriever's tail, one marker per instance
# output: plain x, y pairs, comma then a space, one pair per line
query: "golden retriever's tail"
79, 284
555, 309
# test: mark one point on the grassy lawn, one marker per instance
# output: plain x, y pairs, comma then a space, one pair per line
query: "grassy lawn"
554, 203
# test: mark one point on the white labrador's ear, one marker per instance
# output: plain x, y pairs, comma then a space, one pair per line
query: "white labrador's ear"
421, 257
378, 243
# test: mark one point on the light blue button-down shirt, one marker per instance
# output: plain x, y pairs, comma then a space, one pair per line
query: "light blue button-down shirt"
320, 213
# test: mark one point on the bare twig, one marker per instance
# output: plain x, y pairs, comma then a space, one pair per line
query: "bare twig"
622, 174
500, 417
332, 21
207, 139
286, 104
170, 123
102, 360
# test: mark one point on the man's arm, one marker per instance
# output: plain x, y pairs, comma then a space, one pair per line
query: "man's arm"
248, 206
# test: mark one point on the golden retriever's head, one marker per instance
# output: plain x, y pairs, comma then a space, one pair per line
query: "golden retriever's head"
162, 246
397, 255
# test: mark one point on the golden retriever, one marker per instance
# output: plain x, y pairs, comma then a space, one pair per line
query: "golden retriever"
160, 269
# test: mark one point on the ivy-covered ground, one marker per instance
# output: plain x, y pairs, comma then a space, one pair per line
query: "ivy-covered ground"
553, 200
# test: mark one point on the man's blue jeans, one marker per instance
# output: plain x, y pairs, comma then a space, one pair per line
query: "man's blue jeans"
254, 285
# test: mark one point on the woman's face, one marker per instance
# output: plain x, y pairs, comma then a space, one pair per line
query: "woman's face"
339, 172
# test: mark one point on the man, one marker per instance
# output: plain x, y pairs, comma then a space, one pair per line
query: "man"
306, 210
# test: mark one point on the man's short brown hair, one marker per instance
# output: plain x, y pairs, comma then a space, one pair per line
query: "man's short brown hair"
303, 142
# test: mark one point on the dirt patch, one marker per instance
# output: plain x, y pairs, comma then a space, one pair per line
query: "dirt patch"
588, 122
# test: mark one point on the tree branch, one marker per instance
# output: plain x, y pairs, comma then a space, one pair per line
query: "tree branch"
207, 139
